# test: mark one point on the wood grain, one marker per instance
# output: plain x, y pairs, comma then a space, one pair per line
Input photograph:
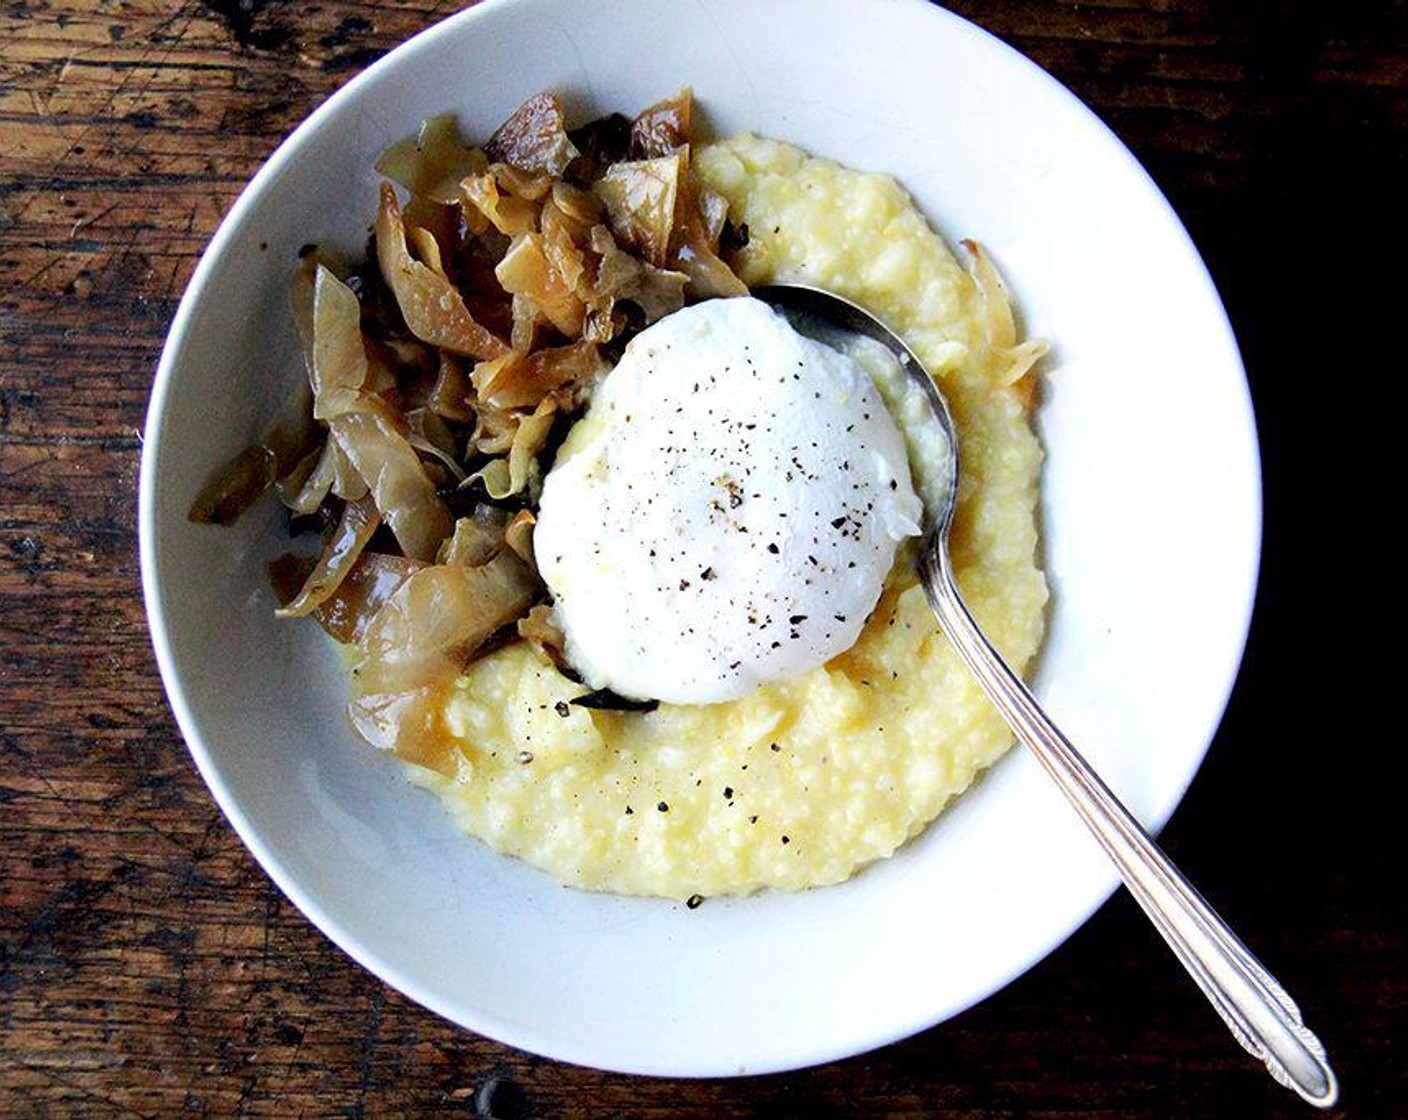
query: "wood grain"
148, 966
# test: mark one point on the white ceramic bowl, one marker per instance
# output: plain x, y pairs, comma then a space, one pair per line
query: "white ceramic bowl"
1151, 510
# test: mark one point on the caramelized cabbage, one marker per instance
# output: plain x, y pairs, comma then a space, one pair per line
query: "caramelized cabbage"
432, 306
414, 405
443, 613
430, 435
663, 127
640, 198
540, 630
524, 471
349, 610
523, 380
304, 477
340, 552
476, 540
346, 613
235, 487
418, 642
1001, 327
620, 276
694, 251
494, 477
399, 485
434, 162
282, 451
330, 473
655, 207
518, 535
339, 365
535, 138
527, 270
507, 212
449, 395
709, 276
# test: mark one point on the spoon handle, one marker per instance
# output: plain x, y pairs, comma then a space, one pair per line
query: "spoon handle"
1261, 1016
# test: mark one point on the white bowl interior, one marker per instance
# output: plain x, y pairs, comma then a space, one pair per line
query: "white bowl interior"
1151, 509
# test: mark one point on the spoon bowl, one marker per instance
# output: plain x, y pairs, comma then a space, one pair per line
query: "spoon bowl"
1257, 1010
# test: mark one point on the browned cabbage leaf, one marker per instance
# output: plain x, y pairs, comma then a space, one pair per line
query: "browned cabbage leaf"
1000, 326
340, 553
235, 487
419, 642
433, 163
433, 307
663, 127
534, 138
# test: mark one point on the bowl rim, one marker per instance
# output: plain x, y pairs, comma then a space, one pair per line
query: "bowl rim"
505, 1030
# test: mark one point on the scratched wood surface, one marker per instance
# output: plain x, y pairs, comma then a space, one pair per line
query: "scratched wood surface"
148, 966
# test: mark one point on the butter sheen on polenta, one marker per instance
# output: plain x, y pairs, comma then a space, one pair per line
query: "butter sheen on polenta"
802, 782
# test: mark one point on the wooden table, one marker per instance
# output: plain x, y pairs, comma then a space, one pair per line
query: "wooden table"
147, 965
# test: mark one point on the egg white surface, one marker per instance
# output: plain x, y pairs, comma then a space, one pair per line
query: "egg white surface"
726, 512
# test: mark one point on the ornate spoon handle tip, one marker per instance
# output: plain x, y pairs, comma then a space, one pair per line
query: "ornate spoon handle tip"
1257, 1010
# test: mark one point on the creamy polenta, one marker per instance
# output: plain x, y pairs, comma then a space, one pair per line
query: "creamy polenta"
803, 781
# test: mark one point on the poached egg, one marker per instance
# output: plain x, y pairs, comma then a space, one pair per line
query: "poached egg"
727, 510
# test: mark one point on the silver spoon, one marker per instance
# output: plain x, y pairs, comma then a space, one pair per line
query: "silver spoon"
1261, 1016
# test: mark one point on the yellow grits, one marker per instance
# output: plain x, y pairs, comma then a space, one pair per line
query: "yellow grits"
801, 783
